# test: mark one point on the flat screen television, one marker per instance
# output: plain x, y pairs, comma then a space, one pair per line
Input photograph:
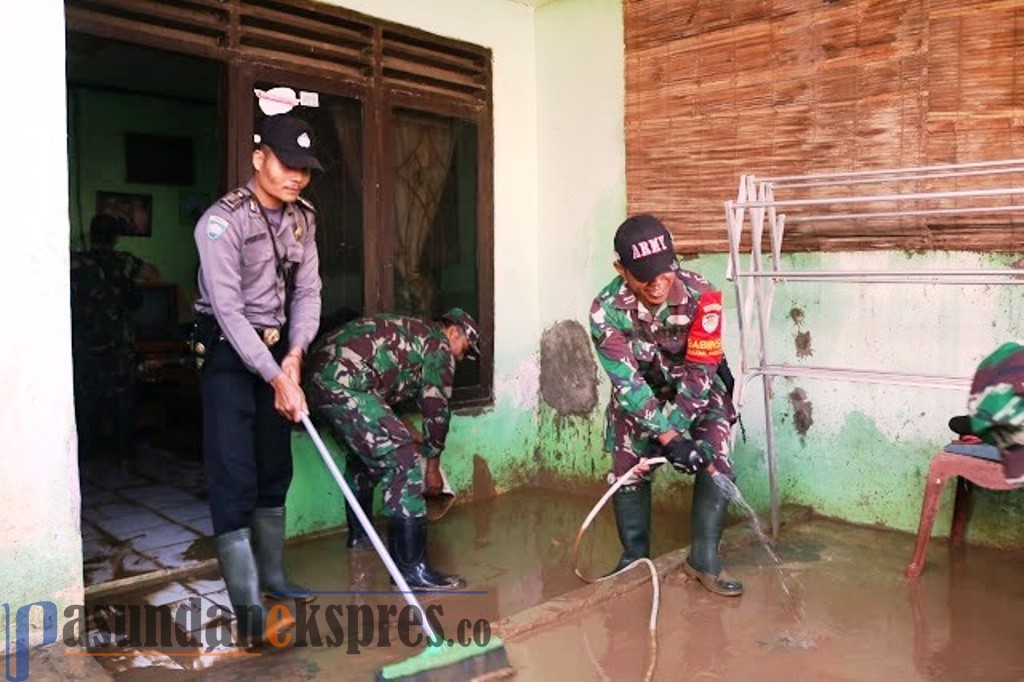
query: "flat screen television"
157, 318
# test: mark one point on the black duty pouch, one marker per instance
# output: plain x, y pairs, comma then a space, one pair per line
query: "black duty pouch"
205, 336
727, 378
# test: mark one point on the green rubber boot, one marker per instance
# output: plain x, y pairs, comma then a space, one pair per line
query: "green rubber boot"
632, 504
710, 504
268, 547
238, 568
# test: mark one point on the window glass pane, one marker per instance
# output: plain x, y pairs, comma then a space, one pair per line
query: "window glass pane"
435, 166
337, 194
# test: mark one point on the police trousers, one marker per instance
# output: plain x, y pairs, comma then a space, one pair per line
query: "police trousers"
246, 443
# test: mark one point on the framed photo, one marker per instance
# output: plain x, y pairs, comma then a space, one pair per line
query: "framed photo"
134, 212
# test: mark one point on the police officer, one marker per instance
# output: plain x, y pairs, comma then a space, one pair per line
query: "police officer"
657, 332
257, 312
358, 373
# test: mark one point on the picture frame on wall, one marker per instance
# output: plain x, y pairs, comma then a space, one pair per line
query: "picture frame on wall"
134, 212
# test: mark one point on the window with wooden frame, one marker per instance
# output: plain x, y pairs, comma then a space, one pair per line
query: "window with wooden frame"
405, 205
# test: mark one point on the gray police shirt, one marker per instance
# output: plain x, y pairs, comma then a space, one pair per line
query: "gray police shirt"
239, 283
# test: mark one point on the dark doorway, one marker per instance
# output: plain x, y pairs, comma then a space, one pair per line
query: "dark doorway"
147, 151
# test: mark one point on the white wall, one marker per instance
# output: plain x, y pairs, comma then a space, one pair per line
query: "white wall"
40, 542
581, 142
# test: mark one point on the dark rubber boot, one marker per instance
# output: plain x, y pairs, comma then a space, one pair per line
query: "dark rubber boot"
238, 567
268, 524
710, 504
407, 543
357, 537
632, 504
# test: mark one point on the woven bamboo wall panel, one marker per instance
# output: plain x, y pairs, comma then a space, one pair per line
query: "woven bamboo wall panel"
788, 87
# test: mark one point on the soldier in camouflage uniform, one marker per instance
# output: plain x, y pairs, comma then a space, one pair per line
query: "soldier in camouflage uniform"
657, 332
104, 295
996, 407
359, 373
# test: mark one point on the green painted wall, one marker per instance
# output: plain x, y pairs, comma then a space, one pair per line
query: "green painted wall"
98, 120
483, 458
866, 454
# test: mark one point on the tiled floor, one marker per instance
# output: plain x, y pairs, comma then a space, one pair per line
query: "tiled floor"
143, 516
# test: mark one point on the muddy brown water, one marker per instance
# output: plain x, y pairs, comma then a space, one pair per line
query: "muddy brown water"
848, 612
514, 550
849, 615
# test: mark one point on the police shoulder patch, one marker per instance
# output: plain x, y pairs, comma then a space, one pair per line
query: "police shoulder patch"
216, 226
233, 199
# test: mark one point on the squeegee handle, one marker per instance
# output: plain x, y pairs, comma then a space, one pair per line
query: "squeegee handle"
371, 532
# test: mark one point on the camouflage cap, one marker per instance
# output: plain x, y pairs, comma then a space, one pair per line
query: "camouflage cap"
460, 317
996, 406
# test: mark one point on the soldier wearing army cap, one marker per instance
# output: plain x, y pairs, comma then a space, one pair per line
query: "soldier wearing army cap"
357, 374
657, 332
257, 312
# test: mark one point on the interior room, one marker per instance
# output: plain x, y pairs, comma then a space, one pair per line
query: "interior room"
144, 147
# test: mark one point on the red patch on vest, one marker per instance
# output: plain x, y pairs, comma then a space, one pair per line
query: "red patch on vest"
704, 342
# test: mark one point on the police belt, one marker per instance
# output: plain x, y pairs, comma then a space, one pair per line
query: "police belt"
269, 335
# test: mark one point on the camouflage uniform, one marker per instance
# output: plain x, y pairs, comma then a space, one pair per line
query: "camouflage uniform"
358, 373
996, 406
653, 389
104, 294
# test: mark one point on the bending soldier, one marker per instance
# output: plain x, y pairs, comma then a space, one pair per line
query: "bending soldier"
359, 373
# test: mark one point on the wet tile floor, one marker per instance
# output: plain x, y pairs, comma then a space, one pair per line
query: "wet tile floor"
836, 608
147, 515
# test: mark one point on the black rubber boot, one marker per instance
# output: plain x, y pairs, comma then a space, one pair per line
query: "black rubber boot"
238, 567
407, 544
357, 537
710, 504
632, 504
268, 524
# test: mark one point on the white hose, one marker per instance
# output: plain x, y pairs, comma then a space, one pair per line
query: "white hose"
656, 598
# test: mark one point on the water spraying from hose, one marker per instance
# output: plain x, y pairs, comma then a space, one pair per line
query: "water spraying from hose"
731, 491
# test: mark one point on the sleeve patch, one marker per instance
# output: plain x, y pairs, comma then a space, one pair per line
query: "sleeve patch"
215, 226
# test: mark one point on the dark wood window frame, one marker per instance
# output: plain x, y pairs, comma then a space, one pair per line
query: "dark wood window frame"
384, 65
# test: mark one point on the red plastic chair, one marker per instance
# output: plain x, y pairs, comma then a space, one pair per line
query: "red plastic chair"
969, 471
